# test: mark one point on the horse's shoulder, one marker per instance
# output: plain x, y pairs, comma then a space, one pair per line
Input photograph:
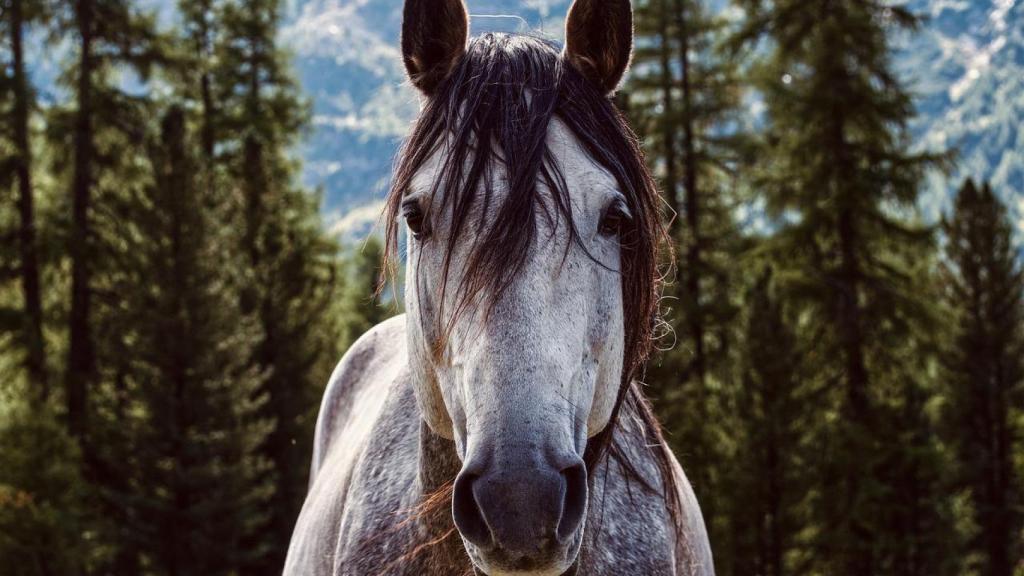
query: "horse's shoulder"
367, 397
695, 541
642, 534
366, 370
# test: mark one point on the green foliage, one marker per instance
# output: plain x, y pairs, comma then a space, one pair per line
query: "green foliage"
197, 492
768, 480
201, 325
985, 370
291, 262
363, 305
42, 529
836, 175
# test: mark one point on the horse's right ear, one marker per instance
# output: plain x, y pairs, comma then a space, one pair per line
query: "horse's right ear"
434, 34
599, 40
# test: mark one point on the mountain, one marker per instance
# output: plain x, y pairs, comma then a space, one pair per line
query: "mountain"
967, 67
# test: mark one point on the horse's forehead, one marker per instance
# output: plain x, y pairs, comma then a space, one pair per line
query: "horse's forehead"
587, 181
582, 173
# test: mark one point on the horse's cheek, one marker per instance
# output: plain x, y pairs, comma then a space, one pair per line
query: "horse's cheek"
426, 386
435, 414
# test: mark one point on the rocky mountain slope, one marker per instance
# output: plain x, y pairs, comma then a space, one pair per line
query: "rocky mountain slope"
967, 67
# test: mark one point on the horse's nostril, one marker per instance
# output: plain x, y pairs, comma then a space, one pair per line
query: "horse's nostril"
466, 512
574, 505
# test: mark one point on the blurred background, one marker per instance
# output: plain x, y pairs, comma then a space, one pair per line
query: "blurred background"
189, 191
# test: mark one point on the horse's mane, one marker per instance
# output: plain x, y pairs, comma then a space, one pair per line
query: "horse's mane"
497, 104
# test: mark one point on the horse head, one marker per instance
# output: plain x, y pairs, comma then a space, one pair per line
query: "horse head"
531, 283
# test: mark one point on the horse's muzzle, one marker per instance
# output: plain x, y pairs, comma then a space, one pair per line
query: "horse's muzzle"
522, 517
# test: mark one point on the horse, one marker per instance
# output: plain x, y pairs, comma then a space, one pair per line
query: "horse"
497, 427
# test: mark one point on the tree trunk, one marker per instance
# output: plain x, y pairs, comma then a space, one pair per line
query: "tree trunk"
999, 527
775, 547
850, 319
668, 120
857, 410
81, 354
209, 140
36, 347
692, 270
206, 90
255, 177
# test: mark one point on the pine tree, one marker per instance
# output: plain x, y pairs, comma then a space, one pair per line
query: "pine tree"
291, 261
200, 491
913, 467
97, 144
363, 306
108, 34
916, 515
772, 412
684, 95
837, 176
200, 24
18, 16
985, 288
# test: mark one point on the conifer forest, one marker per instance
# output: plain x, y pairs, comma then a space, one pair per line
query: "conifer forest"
841, 374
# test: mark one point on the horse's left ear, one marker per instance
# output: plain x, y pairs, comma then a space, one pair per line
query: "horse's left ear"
599, 40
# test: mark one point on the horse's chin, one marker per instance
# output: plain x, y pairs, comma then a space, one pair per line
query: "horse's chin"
553, 570
559, 563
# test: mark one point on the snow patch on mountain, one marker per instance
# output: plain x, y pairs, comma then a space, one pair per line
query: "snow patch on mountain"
341, 33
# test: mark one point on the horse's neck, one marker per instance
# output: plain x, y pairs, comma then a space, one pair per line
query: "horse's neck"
439, 541
439, 464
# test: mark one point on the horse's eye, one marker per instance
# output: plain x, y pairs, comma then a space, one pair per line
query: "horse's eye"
614, 218
414, 218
